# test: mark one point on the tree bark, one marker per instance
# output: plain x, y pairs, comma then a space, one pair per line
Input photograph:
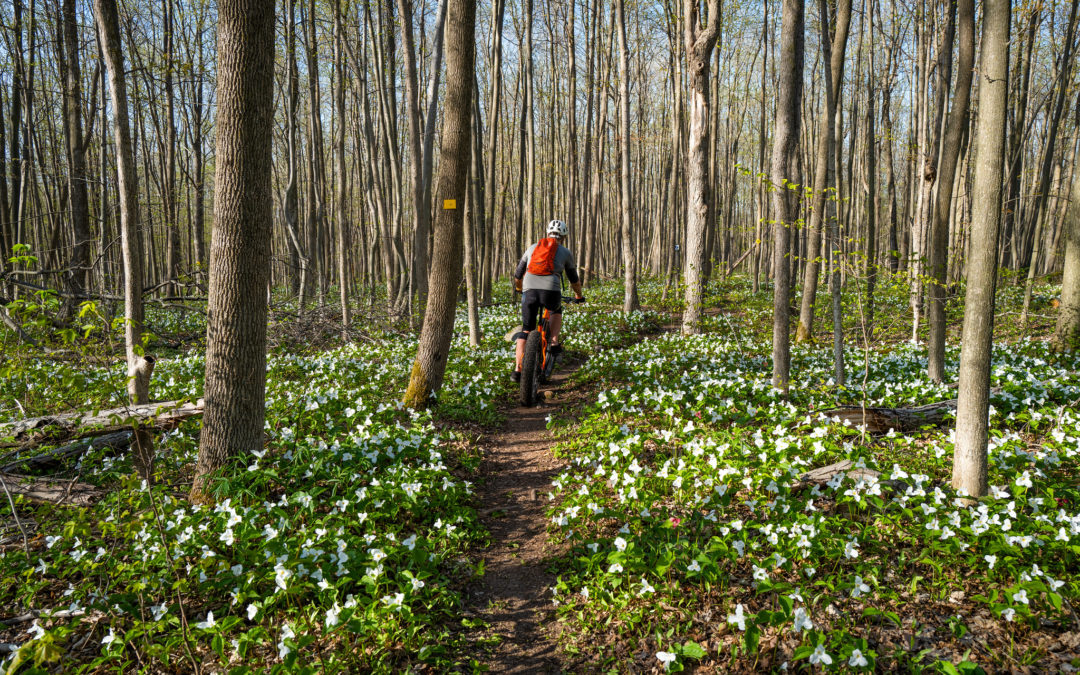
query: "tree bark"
1038, 209
342, 229
78, 264
834, 56
421, 212
437, 331
630, 296
950, 160
1067, 334
785, 145
108, 27
970, 459
240, 245
699, 47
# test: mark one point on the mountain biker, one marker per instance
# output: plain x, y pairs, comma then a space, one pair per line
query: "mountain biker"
538, 278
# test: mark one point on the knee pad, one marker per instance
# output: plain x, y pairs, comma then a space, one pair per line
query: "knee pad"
521, 335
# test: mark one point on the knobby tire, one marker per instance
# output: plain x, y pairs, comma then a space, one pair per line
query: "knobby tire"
530, 369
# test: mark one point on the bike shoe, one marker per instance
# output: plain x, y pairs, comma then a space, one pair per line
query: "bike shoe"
516, 376
555, 350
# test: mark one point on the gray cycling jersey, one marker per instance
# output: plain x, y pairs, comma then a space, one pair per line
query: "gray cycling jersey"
564, 261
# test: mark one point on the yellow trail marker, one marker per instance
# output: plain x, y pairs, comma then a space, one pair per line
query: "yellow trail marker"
449, 204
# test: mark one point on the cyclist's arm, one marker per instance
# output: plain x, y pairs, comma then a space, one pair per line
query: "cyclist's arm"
573, 278
519, 273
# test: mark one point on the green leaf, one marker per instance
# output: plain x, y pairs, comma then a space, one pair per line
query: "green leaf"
692, 650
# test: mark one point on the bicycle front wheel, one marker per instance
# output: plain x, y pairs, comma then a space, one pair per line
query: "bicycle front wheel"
530, 369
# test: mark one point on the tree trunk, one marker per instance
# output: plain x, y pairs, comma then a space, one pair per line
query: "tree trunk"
970, 460
785, 145
342, 223
630, 296
1038, 209
834, 56
438, 328
290, 204
240, 246
950, 159
421, 212
1067, 335
78, 272
699, 47
108, 27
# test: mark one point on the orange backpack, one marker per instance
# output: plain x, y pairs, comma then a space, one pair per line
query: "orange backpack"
542, 261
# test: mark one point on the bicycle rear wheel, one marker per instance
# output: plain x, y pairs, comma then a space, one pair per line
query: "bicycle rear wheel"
530, 369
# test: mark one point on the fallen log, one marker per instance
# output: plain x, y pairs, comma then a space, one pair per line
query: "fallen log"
59, 428
115, 441
883, 420
47, 491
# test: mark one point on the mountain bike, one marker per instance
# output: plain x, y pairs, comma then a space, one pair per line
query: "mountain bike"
538, 362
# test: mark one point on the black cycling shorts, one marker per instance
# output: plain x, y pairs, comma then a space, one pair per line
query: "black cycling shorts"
531, 302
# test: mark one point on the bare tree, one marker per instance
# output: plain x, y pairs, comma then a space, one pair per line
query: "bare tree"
456, 146
950, 160
833, 55
1067, 335
108, 27
629, 261
969, 460
785, 145
79, 263
699, 46
240, 246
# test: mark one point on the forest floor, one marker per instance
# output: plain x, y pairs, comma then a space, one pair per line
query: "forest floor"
654, 513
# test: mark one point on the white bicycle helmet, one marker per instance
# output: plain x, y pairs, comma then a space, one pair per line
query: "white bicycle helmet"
557, 228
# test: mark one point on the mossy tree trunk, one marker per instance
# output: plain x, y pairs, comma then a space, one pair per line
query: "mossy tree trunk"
447, 252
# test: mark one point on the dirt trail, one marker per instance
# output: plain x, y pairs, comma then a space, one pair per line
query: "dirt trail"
515, 595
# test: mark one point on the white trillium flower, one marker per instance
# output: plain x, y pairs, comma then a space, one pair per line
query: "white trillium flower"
666, 658
738, 618
859, 588
332, 618
208, 623
802, 621
110, 638
857, 659
819, 656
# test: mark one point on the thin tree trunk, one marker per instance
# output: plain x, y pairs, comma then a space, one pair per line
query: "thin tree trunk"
1038, 210
970, 472
342, 224
950, 160
785, 145
1067, 334
630, 296
108, 28
78, 273
834, 56
699, 46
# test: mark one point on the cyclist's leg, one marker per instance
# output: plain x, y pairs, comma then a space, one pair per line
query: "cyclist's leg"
553, 301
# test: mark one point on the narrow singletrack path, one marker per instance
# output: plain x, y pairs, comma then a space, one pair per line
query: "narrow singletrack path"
514, 596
